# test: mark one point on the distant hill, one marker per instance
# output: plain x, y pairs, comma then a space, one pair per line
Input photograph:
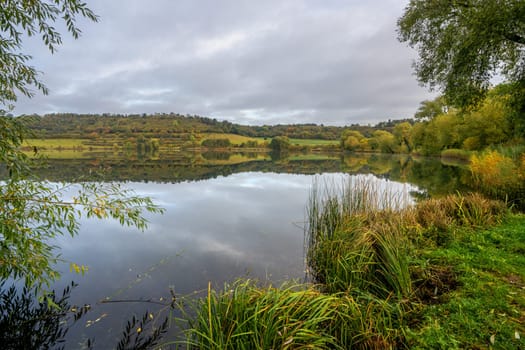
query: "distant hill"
172, 125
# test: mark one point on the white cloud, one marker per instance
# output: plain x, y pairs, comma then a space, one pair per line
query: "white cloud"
208, 47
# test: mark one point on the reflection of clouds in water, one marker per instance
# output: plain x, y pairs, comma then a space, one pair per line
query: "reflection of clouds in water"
214, 246
216, 228
381, 190
263, 181
213, 187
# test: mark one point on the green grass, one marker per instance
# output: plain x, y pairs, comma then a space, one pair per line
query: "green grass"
238, 139
514, 152
488, 307
245, 315
234, 139
313, 142
61, 148
56, 143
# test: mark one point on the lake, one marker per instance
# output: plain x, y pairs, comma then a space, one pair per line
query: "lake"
226, 217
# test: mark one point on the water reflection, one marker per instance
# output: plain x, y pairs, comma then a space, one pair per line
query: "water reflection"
246, 220
248, 224
429, 174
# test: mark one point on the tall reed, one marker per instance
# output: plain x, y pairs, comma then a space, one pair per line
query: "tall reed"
246, 316
330, 202
347, 250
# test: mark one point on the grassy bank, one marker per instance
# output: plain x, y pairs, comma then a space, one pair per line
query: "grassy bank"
445, 273
483, 281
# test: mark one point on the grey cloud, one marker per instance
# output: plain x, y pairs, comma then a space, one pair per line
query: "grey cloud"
332, 62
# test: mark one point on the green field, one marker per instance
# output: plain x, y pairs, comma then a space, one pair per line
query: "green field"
238, 140
313, 142
69, 148
63, 148
234, 139
56, 143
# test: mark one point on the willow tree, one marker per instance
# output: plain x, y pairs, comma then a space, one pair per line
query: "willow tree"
33, 212
463, 44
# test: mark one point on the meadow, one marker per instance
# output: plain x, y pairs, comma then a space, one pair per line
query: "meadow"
56, 143
313, 142
235, 140
62, 148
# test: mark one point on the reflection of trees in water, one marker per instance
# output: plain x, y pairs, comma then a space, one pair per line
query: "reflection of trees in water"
437, 178
27, 323
216, 155
429, 174
174, 169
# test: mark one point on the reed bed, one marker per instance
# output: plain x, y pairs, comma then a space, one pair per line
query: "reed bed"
354, 239
330, 204
247, 316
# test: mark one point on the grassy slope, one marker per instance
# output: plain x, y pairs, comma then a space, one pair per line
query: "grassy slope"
61, 148
234, 139
238, 139
50, 144
55, 143
313, 142
488, 307
74, 147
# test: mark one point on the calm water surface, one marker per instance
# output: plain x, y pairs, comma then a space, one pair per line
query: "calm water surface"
243, 225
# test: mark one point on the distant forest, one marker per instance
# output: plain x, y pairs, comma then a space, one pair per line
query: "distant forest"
167, 125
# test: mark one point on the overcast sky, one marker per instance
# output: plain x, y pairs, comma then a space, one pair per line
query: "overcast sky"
335, 62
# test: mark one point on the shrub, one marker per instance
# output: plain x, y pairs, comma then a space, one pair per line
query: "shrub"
493, 170
438, 218
500, 176
216, 143
280, 143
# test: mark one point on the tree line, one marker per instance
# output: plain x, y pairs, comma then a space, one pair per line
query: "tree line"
438, 127
173, 125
